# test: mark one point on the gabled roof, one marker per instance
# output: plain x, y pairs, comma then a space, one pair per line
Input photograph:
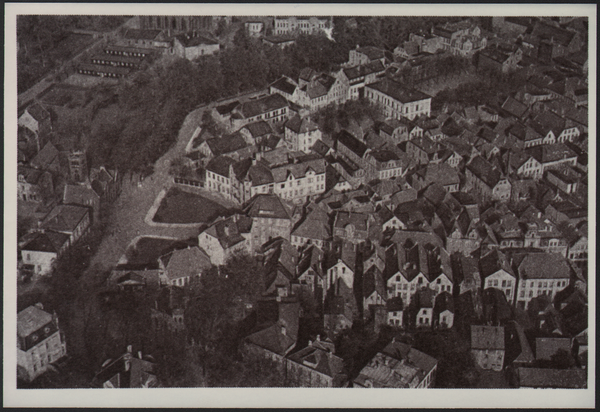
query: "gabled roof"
285, 85
364, 70
45, 156
351, 142
78, 195
484, 171
38, 112
226, 144
359, 220
314, 226
398, 92
551, 152
301, 125
258, 129
185, 262
371, 52
514, 107
65, 218
444, 302
545, 31
318, 359
229, 231
267, 206
373, 282
493, 262
30, 320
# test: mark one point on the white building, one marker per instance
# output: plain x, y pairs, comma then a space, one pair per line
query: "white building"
541, 274
396, 101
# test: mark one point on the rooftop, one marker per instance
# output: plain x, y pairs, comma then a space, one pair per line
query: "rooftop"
30, 320
487, 337
398, 92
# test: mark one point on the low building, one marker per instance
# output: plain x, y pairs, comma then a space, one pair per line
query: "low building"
39, 342
398, 366
191, 47
487, 346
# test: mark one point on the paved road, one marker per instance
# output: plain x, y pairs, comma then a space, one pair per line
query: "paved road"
129, 210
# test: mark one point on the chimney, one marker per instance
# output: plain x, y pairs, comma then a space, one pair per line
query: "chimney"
318, 338
283, 330
140, 354
39, 306
129, 349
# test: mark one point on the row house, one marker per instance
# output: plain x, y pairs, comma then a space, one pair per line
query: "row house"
398, 101
553, 128
256, 133
423, 150
399, 130
321, 91
464, 235
524, 165
145, 38
351, 148
356, 78
340, 265
553, 156
541, 233
353, 227
314, 229
387, 164
300, 25
486, 180
40, 342
301, 134
525, 136
541, 274
226, 237
417, 260
496, 272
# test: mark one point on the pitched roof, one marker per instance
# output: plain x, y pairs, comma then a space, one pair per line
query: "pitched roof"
371, 52
38, 112
259, 128
441, 173
226, 144
364, 70
285, 85
30, 320
484, 171
544, 266
351, 142
229, 231
551, 152
514, 107
373, 282
65, 218
359, 220
191, 41
493, 262
220, 165
141, 34
263, 105
49, 241
78, 195
314, 226
186, 262
301, 125
45, 156
267, 206
487, 337
398, 92
318, 359
227, 108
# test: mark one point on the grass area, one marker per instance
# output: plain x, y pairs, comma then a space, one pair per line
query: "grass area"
149, 249
184, 207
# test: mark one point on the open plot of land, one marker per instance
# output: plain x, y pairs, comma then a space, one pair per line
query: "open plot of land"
184, 207
149, 249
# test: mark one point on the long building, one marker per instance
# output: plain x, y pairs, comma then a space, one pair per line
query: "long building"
398, 101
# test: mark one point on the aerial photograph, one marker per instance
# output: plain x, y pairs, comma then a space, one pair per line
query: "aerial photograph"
294, 201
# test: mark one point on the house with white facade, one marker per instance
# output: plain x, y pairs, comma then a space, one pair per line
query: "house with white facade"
541, 274
226, 237
496, 272
398, 101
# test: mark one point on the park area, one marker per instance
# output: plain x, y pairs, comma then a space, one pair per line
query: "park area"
185, 207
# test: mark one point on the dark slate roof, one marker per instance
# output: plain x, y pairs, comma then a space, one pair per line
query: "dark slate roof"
220, 165
45, 156
65, 218
229, 231
493, 262
547, 32
364, 70
514, 107
371, 52
551, 152
484, 171
487, 337
318, 359
227, 108
259, 128
285, 85
78, 195
351, 142
358, 220
47, 242
38, 112
395, 304
299, 125
191, 41
544, 266
264, 105
267, 206
31, 319
397, 91
443, 302
226, 144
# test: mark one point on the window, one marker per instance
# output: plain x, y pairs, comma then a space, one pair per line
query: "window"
495, 282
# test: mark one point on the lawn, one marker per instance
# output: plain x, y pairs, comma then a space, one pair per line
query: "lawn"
149, 249
184, 207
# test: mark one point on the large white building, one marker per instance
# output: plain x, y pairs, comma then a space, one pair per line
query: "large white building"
396, 101
39, 342
300, 25
541, 274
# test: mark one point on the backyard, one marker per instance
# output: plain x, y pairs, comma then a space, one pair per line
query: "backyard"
184, 207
